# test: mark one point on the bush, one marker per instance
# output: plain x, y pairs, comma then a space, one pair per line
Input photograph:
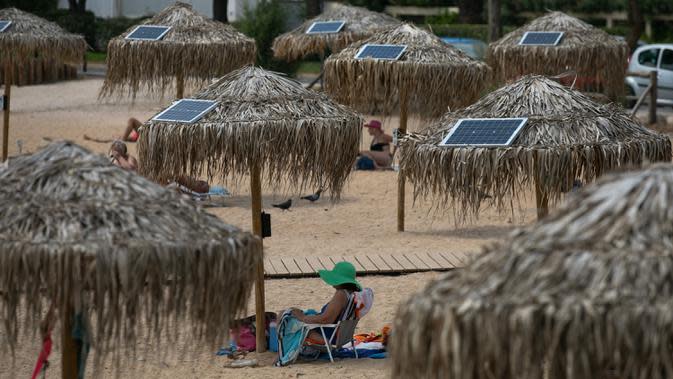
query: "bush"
264, 23
83, 23
108, 28
476, 31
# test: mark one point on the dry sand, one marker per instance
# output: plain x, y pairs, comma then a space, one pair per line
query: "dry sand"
363, 222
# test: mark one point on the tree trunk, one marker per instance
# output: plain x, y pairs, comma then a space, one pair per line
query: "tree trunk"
77, 6
494, 24
220, 10
470, 11
636, 22
312, 8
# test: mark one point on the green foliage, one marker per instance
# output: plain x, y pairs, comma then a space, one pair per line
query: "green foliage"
264, 23
37, 7
374, 5
108, 28
442, 19
83, 23
476, 31
425, 3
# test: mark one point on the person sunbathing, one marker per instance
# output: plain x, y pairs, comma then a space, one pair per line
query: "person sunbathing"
119, 156
379, 152
130, 133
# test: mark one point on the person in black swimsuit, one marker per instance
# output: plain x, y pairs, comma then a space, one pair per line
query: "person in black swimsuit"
379, 149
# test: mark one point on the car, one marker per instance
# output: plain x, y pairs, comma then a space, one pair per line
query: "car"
473, 47
659, 58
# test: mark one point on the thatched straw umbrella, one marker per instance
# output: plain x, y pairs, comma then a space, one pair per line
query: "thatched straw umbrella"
360, 23
93, 238
586, 293
567, 136
429, 77
193, 51
589, 51
26, 36
263, 124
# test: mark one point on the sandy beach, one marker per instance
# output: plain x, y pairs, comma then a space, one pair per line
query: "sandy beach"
362, 222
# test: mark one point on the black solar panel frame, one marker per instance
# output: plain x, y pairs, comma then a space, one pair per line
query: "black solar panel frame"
558, 36
210, 107
512, 135
9, 22
373, 45
139, 27
313, 25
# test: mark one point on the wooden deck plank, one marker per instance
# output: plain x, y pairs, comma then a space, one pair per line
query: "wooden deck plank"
303, 266
315, 264
326, 262
462, 257
392, 263
404, 262
358, 267
420, 265
291, 266
366, 264
450, 258
430, 261
442, 260
279, 266
268, 267
380, 263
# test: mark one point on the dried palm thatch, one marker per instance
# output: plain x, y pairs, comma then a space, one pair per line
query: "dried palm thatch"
195, 49
550, 305
432, 75
360, 23
584, 48
297, 137
567, 137
84, 234
29, 35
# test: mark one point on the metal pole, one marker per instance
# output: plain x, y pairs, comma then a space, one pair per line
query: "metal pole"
256, 195
400, 178
5, 125
652, 119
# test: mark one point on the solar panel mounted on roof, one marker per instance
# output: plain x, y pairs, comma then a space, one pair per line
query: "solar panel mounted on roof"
386, 52
322, 27
148, 32
4, 24
541, 38
484, 132
186, 110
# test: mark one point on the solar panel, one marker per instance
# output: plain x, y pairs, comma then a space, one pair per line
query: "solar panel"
148, 32
186, 110
322, 27
4, 24
484, 132
541, 38
386, 52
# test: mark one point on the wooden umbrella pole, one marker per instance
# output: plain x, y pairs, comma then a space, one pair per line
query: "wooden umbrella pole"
69, 366
179, 85
5, 126
256, 194
400, 178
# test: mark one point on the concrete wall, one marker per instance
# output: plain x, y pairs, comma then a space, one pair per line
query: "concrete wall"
138, 8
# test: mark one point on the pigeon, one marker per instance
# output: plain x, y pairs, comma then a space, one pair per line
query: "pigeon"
313, 197
285, 205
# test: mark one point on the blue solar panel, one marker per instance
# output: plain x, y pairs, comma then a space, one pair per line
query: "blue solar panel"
541, 38
148, 32
484, 132
387, 52
321, 27
186, 110
4, 25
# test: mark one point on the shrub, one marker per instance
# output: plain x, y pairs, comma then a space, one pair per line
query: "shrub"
107, 28
83, 23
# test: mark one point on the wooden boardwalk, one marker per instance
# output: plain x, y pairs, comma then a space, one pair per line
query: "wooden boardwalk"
371, 264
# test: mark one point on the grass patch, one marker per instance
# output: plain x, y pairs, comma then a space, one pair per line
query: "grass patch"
95, 56
309, 67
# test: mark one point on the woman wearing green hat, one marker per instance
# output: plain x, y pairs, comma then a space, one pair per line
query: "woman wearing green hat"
342, 278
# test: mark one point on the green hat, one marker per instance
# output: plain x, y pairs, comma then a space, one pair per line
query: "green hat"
342, 273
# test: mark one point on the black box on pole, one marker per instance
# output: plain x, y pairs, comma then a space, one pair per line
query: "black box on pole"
266, 225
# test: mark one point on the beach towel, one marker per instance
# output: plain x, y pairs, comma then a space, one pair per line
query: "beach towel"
291, 336
363, 302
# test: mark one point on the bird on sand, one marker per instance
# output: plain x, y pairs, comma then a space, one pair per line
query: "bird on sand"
313, 197
285, 205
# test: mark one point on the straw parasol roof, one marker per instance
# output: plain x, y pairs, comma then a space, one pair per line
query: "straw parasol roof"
433, 75
28, 35
297, 136
584, 48
196, 48
360, 23
88, 235
595, 306
567, 137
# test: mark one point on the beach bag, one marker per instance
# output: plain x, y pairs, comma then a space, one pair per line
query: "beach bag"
365, 163
245, 340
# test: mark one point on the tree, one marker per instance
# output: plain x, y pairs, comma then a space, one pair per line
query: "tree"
470, 11
312, 8
636, 21
494, 21
220, 10
77, 6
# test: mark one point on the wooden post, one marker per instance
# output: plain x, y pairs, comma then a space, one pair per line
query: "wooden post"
400, 178
256, 195
5, 112
69, 367
652, 117
541, 201
494, 24
179, 85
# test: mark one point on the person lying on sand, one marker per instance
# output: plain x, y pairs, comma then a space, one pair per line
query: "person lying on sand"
379, 150
130, 133
119, 156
